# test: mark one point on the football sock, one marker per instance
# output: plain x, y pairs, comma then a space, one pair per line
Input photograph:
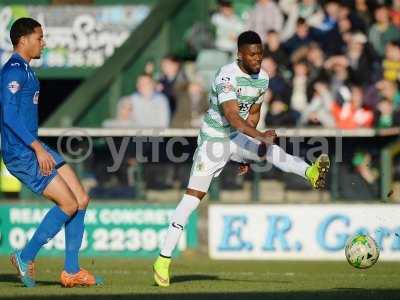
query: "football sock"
178, 221
286, 162
48, 228
74, 229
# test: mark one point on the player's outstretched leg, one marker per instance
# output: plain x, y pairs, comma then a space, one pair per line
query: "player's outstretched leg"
73, 275
316, 173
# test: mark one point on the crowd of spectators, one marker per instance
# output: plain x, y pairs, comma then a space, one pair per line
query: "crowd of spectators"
331, 63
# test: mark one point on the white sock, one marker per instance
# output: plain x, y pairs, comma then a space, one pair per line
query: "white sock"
286, 162
178, 221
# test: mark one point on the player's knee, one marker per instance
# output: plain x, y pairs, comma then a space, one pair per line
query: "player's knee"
198, 194
71, 207
84, 200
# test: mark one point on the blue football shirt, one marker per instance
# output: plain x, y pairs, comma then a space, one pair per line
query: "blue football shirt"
19, 97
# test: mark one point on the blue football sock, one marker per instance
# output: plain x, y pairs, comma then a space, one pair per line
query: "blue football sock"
74, 229
48, 228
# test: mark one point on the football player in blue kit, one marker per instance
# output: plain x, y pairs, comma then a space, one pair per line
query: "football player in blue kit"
40, 168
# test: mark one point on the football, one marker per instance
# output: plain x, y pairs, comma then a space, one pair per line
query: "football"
361, 251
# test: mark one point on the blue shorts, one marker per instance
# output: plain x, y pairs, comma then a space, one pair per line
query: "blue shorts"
26, 168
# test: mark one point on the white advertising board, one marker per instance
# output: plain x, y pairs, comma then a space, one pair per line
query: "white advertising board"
308, 232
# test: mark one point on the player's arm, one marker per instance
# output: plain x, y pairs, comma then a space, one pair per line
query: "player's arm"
254, 115
231, 113
12, 84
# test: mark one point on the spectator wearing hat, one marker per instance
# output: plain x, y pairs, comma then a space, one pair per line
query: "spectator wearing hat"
361, 59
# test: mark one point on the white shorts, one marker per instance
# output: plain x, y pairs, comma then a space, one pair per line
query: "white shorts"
211, 157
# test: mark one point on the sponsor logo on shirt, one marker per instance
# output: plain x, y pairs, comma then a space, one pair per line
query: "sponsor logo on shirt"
36, 98
15, 64
226, 84
13, 86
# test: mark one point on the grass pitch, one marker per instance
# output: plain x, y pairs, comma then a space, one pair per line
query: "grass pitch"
201, 278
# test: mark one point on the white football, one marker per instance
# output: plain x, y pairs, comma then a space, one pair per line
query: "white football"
361, 251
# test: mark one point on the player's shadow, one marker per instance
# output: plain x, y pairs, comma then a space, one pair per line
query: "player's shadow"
200, 277
14, 278
8, 278
194, 277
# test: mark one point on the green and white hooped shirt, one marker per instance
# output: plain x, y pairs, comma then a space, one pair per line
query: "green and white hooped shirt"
231, 83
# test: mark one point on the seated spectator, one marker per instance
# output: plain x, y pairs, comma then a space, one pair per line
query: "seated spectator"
391, 62
385, 115
318, 111
171, 77
310, 10
274, 49
124, 116
315, 58
265, 16
382, 31
352, 114
347, 12
335, 39
150, 109
191, 106
331, 8
338, 71
300, 81
363, 12
383, 89
303, 36
363, 176
277, 83
280, 114
360, 59
227, 27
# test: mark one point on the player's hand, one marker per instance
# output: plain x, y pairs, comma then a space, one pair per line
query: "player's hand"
243, 169
45, 160
269, 136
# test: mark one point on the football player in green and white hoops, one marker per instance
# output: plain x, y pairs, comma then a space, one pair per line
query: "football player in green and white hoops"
229, 133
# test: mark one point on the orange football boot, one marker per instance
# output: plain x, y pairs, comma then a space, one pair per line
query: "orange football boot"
82, 278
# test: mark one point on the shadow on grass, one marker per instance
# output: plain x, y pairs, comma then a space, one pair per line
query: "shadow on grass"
14, 278
165, 294
200, 277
